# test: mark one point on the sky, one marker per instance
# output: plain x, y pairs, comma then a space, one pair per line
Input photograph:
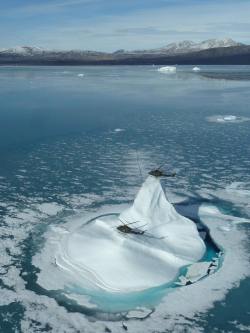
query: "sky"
109, 25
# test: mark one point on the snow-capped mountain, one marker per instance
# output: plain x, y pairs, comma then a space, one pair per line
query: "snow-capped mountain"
212, 51
187, 46
23, 50
171, 49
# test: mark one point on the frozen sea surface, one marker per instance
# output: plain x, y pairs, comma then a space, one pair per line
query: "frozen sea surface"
70, 147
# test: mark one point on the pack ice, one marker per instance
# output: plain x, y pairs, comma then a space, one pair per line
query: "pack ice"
101, 257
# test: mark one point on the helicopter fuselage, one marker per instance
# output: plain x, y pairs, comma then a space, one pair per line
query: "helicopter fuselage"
159, 173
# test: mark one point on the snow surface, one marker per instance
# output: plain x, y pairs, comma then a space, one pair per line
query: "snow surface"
101, 257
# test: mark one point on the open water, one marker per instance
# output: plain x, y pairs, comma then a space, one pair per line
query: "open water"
70, 145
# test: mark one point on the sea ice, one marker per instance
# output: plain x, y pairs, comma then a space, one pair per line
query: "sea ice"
101, 257
49, 208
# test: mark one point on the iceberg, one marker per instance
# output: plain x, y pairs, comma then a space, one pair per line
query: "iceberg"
101, 258
196, 69
229, 118
167, 69
116, 130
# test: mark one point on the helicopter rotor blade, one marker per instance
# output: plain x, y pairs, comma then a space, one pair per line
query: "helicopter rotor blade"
159, 168
149, 235
140, 227
128, 223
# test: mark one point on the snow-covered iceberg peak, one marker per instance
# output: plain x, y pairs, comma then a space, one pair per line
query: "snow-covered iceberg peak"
152, 210
150, 205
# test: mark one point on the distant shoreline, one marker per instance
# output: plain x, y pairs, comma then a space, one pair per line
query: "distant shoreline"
235, 55
75, 64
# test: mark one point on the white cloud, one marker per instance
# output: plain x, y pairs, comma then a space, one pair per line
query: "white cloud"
142, 28
45, 7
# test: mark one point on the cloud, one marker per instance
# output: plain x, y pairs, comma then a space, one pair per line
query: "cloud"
152, 31
44, 7
114, 24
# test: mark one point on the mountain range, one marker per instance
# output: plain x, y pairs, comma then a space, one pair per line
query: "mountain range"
212, 51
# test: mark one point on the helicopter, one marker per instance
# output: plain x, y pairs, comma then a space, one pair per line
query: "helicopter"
159, 173
126, 229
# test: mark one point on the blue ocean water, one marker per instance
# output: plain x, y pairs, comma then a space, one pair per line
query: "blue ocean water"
69, 144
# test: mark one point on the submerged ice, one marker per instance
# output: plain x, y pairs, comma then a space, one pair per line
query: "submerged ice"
101, 257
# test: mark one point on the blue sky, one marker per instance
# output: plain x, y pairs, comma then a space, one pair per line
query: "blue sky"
108, 25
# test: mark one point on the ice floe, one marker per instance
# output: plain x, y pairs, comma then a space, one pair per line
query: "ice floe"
239, 194
227, 119
49, 208
167, 69
196, 69
117, 130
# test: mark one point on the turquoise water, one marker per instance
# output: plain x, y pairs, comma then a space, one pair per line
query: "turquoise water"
74, 143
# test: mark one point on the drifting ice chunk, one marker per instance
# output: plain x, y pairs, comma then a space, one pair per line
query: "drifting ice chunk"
197, 271
229, 118
196, 69
167, 69
80, 75
119, 130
